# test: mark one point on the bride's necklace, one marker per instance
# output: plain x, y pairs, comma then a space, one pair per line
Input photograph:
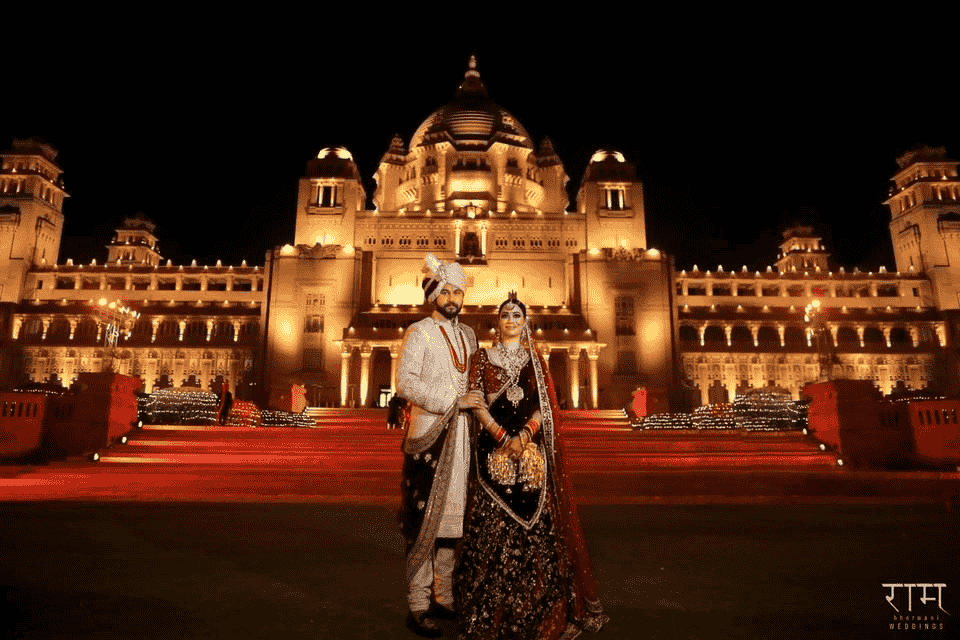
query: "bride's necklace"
513, 360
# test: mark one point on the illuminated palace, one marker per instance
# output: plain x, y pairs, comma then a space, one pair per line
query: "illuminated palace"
611, 314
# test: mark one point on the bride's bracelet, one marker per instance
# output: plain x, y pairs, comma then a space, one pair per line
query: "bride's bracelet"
499, 433
525, 432
532, 426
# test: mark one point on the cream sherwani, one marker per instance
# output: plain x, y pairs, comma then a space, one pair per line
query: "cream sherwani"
428, 377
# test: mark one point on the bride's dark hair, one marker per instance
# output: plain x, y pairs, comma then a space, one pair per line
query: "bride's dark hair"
513, 300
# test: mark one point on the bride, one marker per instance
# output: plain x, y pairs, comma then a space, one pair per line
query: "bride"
522, 570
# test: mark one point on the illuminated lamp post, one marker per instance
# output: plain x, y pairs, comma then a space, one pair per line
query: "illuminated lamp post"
813, 315
116, 318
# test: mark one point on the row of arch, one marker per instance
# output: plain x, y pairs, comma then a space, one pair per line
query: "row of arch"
87, 331
20, 186
785, 336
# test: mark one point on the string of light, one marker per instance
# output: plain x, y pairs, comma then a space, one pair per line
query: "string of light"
167, 406
759, 410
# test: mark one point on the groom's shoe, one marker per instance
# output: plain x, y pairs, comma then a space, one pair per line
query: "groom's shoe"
438, 610
420, 623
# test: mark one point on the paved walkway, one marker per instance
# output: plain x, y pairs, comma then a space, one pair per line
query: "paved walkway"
80, 570
278, 534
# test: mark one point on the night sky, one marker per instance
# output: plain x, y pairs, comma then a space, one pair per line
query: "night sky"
206, 127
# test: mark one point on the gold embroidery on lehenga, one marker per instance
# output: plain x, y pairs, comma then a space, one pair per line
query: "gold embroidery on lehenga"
532, 468
503, 470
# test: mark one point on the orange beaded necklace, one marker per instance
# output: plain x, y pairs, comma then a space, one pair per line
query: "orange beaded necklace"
460, 366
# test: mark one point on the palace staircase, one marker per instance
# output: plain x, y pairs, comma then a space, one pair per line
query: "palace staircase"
351, 457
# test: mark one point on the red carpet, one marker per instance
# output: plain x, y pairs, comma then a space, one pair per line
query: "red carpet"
351, 458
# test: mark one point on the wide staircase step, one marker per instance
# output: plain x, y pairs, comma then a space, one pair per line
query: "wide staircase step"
351, 457
365, 440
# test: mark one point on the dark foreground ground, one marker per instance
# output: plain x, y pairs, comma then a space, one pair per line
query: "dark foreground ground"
156, 570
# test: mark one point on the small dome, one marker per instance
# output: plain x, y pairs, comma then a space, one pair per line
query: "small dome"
602, 154
471, 121
609, 166
339, 152
333, 162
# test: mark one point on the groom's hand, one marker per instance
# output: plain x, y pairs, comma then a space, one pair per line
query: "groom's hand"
471, 400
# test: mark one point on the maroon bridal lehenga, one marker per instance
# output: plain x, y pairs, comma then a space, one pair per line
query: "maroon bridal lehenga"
523, 570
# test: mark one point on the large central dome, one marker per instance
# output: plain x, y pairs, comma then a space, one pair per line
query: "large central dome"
471, 121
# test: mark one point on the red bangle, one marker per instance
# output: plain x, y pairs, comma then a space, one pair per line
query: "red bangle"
501, 436
533, 427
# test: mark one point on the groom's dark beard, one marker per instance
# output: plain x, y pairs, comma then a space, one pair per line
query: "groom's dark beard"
449, 310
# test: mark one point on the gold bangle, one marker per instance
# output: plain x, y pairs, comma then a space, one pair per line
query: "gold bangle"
497, 432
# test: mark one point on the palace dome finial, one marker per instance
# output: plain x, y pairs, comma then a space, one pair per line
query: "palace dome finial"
471, 121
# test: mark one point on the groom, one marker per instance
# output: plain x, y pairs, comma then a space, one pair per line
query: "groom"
432, 375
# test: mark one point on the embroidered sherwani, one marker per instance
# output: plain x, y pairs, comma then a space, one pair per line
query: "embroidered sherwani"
432, 375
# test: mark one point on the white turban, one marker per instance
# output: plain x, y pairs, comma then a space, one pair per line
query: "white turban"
442, 273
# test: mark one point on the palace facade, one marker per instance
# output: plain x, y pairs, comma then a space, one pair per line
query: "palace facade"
328, 310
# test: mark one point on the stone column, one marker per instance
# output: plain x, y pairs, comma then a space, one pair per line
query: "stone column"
834, 331
755, 331
394, 361
73, 327
209, 329
46, 327
782, 332
345, 353
915, 336
886, 335
206, 373
860, 335
365, 352
233, 374
156, 325
702, 330
593, 355
150, 373
942, 334
573, 370
728, 331
179, 369
17, 325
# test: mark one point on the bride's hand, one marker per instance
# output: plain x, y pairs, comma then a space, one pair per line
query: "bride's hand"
514, 447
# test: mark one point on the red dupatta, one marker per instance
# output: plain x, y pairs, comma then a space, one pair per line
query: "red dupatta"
587, 604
